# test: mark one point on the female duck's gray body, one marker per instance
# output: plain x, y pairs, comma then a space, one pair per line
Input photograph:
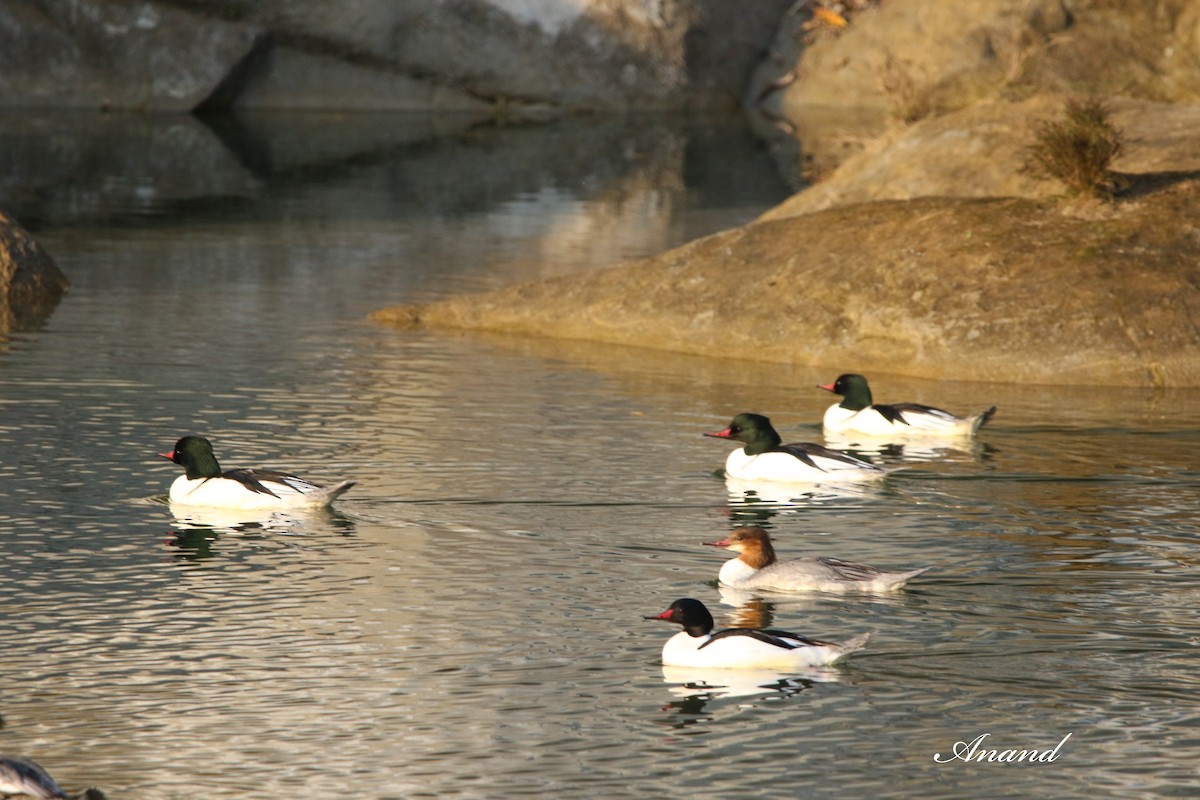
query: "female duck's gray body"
757, 568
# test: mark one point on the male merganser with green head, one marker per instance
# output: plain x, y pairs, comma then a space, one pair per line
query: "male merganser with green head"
205, 484
744, 648
858, 414
765, 458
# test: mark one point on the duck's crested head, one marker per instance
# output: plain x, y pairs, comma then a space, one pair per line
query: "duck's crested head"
753, 430
691, 614
195, 454
854, 389
752, 543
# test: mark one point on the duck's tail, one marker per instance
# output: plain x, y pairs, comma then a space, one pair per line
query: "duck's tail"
981, 419
855, 643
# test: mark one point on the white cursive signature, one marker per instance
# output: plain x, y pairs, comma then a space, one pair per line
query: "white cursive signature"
970, 751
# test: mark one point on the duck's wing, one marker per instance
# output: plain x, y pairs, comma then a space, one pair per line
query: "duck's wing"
256, 480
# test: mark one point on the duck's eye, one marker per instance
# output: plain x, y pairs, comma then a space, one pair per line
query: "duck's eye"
735, 428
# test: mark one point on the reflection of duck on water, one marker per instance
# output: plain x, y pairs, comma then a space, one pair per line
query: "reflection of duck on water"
694, 684
200, 518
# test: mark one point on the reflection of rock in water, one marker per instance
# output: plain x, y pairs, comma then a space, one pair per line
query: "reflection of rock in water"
30, 282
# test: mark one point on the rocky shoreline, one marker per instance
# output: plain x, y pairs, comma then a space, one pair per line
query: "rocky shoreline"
930, 252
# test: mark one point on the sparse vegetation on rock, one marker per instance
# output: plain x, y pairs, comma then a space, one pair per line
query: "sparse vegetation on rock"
1077, 150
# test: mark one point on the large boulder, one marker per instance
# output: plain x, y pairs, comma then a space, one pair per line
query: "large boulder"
30, 282
128, 54
907, 60
981, 151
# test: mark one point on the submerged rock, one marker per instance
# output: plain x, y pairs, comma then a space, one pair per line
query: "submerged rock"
30, 282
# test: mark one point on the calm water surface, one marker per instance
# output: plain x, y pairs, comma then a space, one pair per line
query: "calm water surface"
467, 622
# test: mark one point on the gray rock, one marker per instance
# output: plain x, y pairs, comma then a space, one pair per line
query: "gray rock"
116, 54
509, 55
290, 79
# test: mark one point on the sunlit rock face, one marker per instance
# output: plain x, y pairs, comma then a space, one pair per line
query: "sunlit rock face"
511, 56
836, 90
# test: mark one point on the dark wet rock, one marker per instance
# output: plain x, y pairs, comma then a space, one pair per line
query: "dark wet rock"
31, 284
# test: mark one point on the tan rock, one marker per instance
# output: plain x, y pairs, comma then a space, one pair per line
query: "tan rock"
985, 290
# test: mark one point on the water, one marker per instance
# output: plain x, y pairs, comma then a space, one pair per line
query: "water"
467, 622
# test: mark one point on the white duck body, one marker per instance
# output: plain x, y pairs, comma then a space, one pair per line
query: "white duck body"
737, 648
204, 484
858, 414
282, 492
744, 648
764, 458
756, 568
902, 420
21, 777
817, 465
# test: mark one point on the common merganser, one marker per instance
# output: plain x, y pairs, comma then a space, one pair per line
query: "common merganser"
204, 484
765, 458
22, 777
757, 568
744, 648
857, 414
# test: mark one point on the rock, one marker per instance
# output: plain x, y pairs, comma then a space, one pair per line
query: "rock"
290, 79
909, 60
512, 55
979, 152
127, 54
30, 282
985, 290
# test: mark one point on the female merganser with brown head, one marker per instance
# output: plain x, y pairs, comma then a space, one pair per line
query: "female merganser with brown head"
757, 568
